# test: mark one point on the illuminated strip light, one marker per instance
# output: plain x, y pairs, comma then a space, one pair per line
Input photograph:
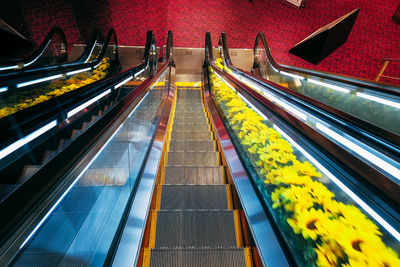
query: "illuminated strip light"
39, 80
292, 75
293, 110
3, 89
392, 170
137, 73
331, 86
77, 179
86, 104
350, 193
123, 82
9, 68
77, 71
272, 67
379, 100
23, 141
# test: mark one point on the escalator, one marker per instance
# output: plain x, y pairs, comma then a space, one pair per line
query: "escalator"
183, 169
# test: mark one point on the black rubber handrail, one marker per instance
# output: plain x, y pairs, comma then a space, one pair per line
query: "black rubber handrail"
96, 37
369, 131
359, 82
21, 203
11, 80
39, 51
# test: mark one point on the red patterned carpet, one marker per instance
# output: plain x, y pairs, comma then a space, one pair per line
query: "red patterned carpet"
374, 36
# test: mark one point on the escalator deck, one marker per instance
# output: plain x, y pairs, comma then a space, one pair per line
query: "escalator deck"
192, 222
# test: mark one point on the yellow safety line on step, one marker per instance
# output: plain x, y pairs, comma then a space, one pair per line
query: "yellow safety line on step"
229, 197
158, 197
238, 229
189, 84
248, 257
153, 228
146, 257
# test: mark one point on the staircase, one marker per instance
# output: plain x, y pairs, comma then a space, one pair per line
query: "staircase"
192, 221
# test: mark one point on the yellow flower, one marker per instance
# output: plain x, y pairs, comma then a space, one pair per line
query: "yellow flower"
308, 222
328, 253
307, 168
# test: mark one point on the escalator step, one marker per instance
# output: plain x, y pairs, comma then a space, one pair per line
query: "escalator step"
76, 133
195, 229
194, 136
188, 114
191, 127
86, 125
193, 158
194, 175
27, 172
202, 120
193, 197
200, 146
6, 190
49, 155
189, 94
64, 143
197, 257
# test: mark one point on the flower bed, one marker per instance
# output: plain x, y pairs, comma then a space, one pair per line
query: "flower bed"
321, 224
28, 98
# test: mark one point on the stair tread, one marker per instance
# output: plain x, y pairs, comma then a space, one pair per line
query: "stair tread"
195, 229
195, 158
194, 175
191, 197
190, 145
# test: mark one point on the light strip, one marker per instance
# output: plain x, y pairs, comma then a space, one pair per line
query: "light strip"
77, 179
379, 100
39, 80
361, 151
88, 103
21, 142
123, 82
3, 89
29, 63
77, 71
331, 86
350, 193
292, 75
9, 68
137, 73
272, 67
95, 42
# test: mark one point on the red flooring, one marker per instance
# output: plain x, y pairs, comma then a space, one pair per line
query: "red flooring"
374, 36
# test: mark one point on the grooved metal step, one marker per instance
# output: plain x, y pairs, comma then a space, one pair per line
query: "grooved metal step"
193, 197
194, 175
104, 176
188, 114
27, 172
191, 127
191, 120
198, 257
195, 229
200, 146
193, 158
194, 136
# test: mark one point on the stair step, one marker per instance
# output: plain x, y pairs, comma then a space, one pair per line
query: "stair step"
200, 146
191, 127
6, 190
193, 197
233, 257
64, 143
49, 155
76, 133
191, 229
188, 114
86, 125
27, 172
184, 120
193, 158
194, 175
192, 136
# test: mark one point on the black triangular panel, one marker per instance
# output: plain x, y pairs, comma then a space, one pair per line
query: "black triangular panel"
325, 40
11, 40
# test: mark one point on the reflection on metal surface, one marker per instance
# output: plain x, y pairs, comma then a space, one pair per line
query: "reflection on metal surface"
292, 75
129, 245
379, 100
77, 71
3, 89
331, 86
271, 252
123, 82
21, 142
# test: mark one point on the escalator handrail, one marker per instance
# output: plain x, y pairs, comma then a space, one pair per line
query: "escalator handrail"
388, 190
39, 51
208, 50
11, 80
169, 49
382, 87
383, 137
17, 207
27, 120
94, 38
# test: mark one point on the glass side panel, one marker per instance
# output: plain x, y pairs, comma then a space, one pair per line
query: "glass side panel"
322, 221
28, 95
377, 108
80, 230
